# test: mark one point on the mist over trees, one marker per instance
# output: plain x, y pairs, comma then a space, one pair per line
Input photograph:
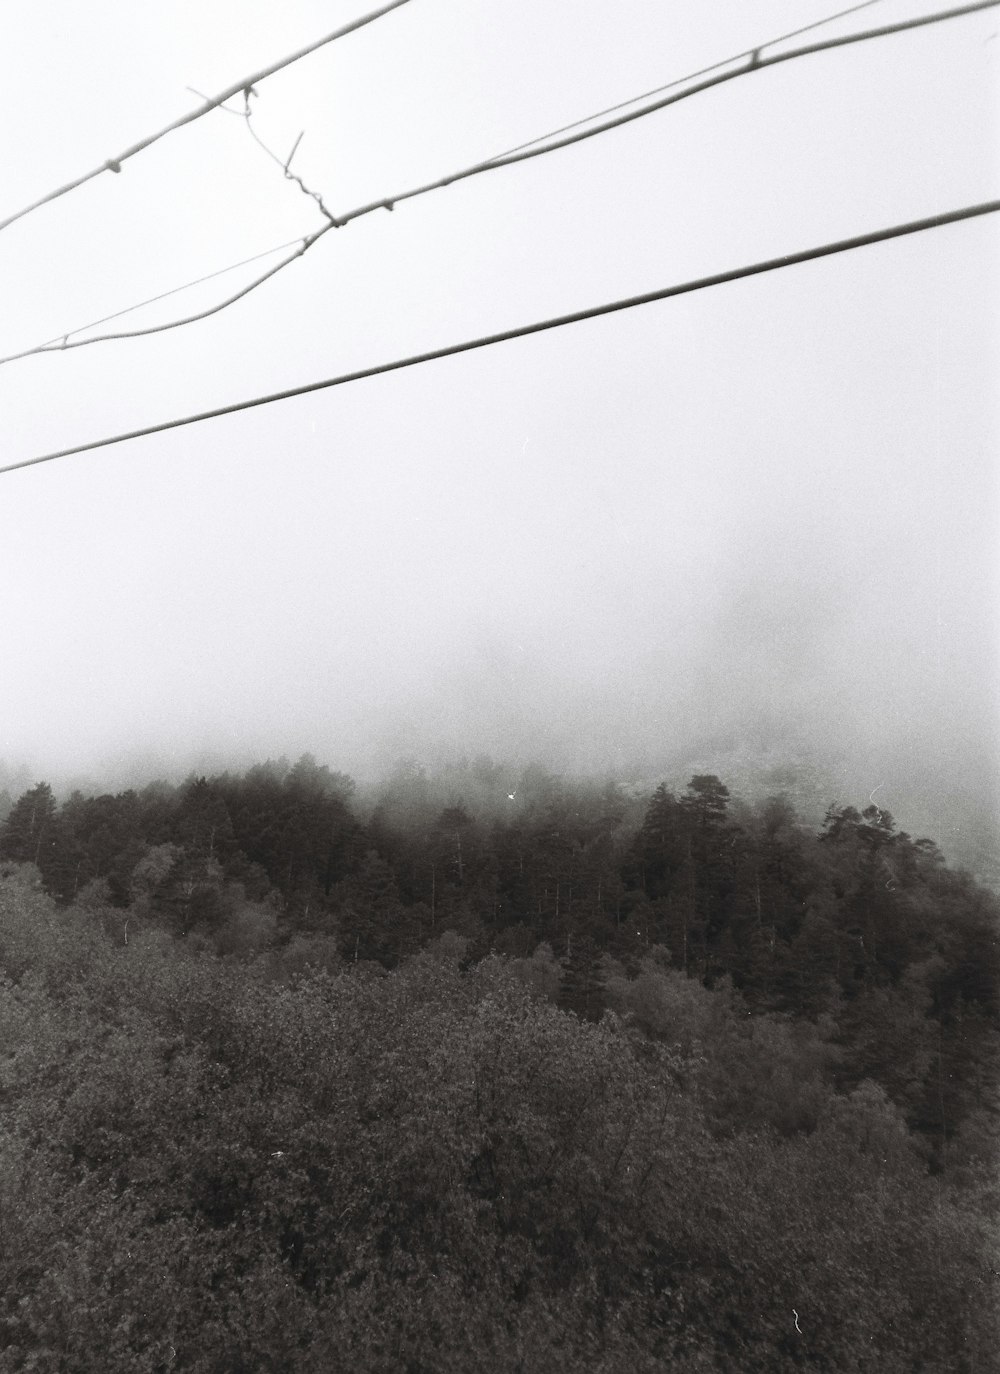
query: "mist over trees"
496, 1071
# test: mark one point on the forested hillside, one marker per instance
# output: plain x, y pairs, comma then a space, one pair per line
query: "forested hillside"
535, 1076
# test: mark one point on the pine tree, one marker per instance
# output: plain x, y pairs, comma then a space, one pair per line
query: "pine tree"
28, 827
658, 847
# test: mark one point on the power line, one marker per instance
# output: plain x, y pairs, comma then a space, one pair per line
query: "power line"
56, 346
114, 164
754, 62
521, 153
593, 312
691, 76
61, 341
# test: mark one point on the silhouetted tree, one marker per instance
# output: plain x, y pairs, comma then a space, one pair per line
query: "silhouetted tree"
28, 827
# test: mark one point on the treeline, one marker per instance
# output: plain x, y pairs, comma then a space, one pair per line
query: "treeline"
221, 1166
857, 929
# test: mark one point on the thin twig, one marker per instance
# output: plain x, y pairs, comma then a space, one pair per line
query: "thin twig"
224, 108
289, 175
288, 159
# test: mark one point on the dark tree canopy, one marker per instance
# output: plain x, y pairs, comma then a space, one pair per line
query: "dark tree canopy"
857, 923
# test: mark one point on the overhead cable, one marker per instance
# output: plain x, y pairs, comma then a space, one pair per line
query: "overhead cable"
522, 331
62, 341
691, 76
245, 83
753, 61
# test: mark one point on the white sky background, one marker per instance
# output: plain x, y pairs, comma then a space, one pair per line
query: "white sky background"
766, 511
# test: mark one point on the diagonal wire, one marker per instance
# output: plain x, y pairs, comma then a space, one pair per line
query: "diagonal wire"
593, 312
691, 76
114, 164
753, 61
61, 341
305, 243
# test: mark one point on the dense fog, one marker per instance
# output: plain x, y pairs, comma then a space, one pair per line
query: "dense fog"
752, 530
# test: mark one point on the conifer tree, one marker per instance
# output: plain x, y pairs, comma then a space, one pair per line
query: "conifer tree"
28, 826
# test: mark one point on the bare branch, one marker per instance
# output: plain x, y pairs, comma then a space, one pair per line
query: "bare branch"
288, 175
288, 159
224, 108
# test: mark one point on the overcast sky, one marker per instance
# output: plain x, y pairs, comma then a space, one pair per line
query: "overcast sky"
764, 515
